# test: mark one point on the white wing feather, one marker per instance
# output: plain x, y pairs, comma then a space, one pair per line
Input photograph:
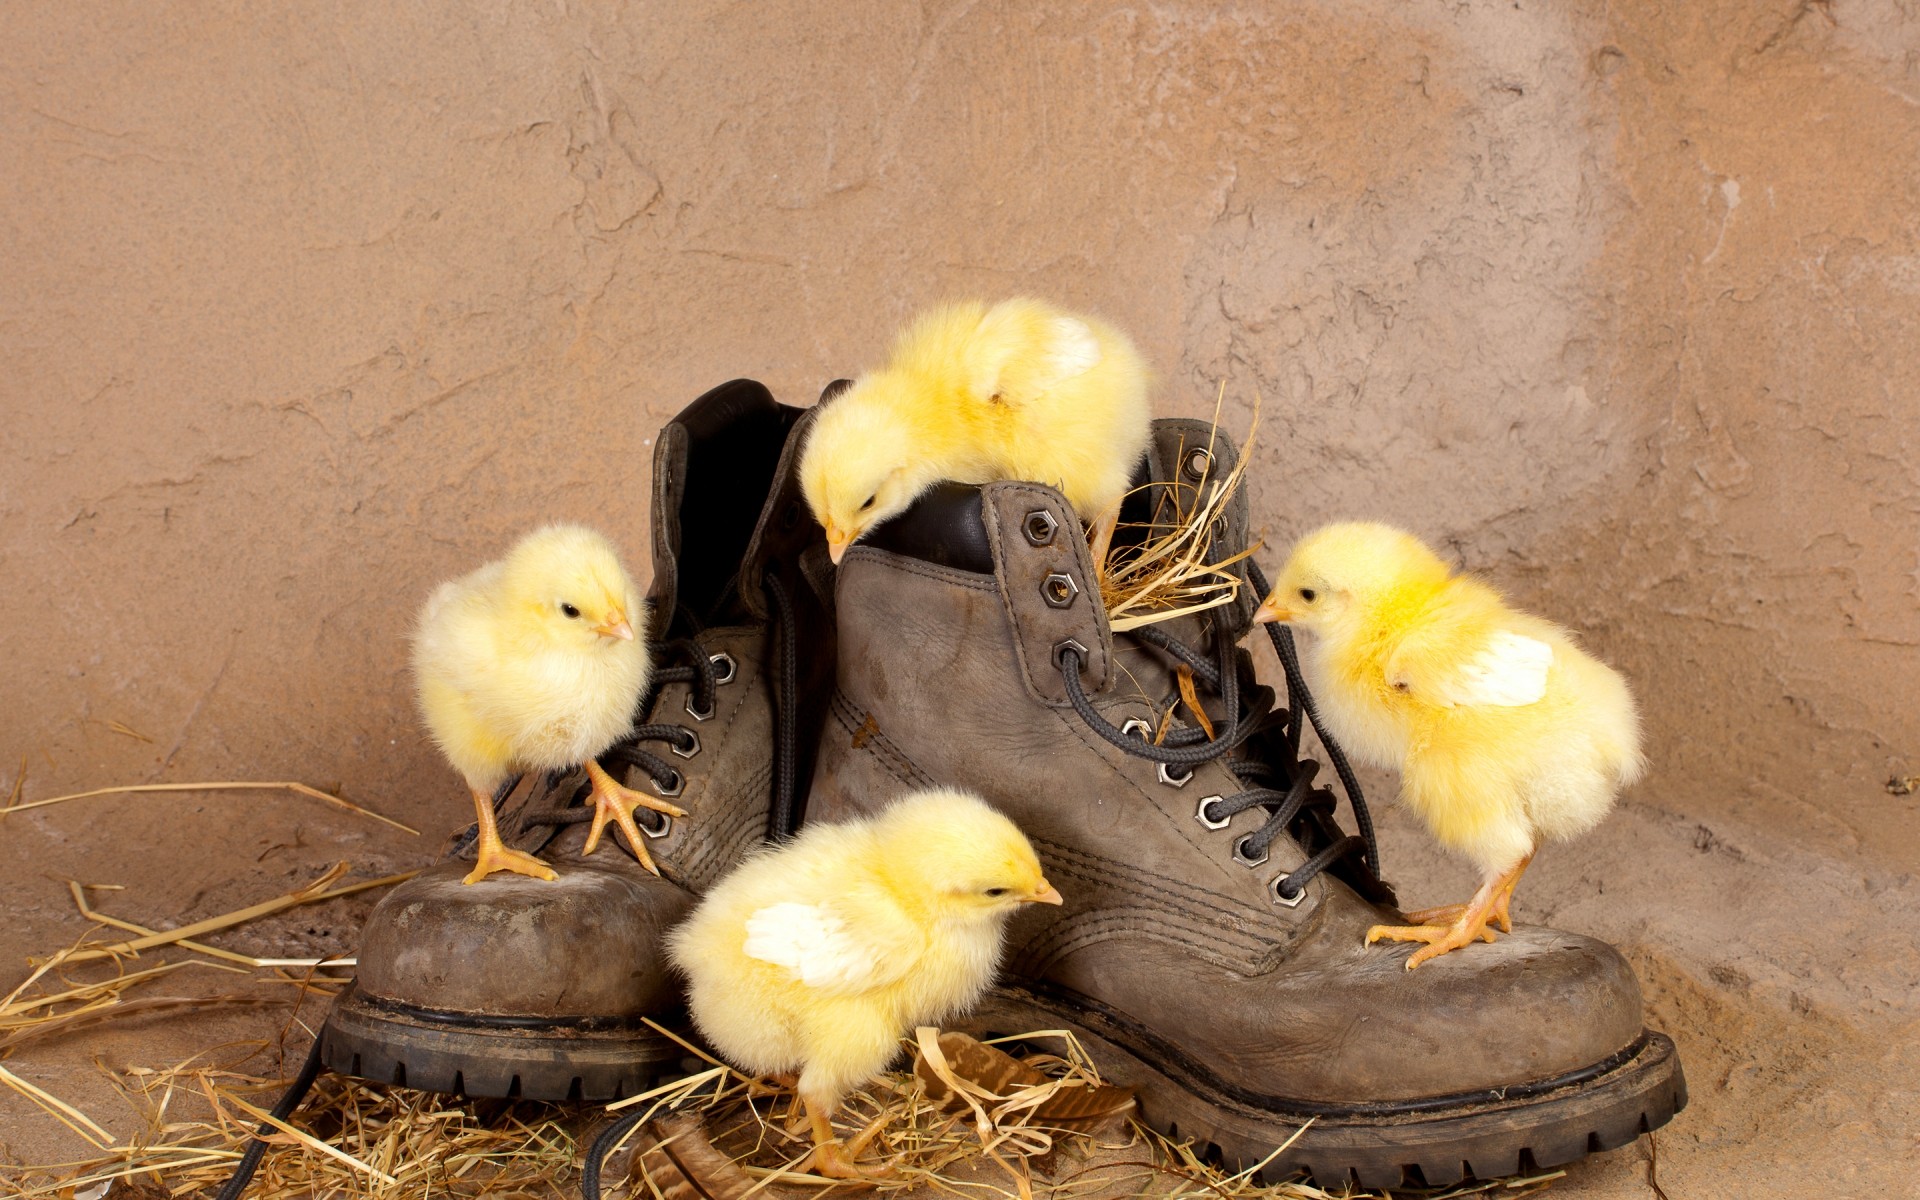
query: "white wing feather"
1509, 671
1072, 349
811, 942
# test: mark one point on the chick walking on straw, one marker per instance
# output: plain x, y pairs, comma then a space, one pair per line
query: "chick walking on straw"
531, 663
973, 394
818, 956
1504, 731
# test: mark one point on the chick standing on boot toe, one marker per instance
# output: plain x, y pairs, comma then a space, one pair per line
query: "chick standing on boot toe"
531, 663
1021, 390
819, 955
1503, 730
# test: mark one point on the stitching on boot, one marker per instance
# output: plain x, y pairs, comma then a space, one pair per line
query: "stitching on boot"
1203, 943
723, 848
1151, 889
853, 719
915, 566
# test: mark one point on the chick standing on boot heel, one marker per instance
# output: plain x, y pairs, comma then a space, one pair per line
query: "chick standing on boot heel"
972, 394
531, 663
1503, 730
819, 955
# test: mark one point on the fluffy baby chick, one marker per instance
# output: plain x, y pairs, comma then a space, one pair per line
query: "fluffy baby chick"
1503, 730
531, 663
1022, 390
817, 956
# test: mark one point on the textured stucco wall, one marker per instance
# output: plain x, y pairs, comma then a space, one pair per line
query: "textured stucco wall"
303, 312
306, 309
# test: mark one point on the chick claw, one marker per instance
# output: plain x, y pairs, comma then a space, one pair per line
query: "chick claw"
491, 854
614, 803
1439, 939
833, 1160
489, 858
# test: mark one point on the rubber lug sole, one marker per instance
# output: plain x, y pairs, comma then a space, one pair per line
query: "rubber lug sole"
472, 1056
1426, 1145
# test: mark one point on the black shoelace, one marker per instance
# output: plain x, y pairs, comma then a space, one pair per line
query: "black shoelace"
1269, 764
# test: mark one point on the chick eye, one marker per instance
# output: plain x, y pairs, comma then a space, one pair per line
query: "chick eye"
1307, 595
572, 612
869, 503
996, 892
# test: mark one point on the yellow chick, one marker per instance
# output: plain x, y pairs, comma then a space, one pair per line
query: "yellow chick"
1504, 732
531, 663
1022, 390
818, 955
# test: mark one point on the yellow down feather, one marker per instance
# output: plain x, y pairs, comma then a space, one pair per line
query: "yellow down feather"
975, 394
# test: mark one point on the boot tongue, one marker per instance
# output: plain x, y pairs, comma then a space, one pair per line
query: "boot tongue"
712, 468
787, 532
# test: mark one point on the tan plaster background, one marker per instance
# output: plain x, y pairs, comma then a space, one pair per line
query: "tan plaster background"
302, 309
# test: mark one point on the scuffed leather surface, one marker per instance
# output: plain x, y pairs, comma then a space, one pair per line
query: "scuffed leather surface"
584, 945
1159, 922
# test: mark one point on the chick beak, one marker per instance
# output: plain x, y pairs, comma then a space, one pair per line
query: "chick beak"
1272, 610
1048, 894
616, 626
837, 543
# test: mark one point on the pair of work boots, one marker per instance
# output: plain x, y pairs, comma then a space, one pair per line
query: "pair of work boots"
1211, 948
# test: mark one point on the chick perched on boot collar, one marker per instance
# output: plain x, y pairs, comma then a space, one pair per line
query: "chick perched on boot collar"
1018, 391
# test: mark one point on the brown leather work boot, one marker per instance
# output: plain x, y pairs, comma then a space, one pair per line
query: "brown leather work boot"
1211, 948
521, 987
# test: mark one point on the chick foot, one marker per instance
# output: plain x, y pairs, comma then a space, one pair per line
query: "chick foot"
833, 1158
614, 803
1439, 939
1447, 929
491, 854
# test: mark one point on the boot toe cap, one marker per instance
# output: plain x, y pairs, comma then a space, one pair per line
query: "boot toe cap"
588, 944
1538, 1004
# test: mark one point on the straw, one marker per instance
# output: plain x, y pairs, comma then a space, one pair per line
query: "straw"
218, 786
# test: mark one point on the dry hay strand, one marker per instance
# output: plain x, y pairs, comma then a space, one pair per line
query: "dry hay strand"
300, 789
349, 1140
50, 1002
1170, 567
967, 1120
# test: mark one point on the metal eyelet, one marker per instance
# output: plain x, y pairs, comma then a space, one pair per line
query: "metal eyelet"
1060, 655
696, 714
1175, 781
1197, 463
692, 749
1136, 725
724, 668
669, 791
666, 824
1240, 854
1040, 526
1200, 814
1281, 897
1058, 590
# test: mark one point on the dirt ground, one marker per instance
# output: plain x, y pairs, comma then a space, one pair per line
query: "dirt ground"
305, 311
